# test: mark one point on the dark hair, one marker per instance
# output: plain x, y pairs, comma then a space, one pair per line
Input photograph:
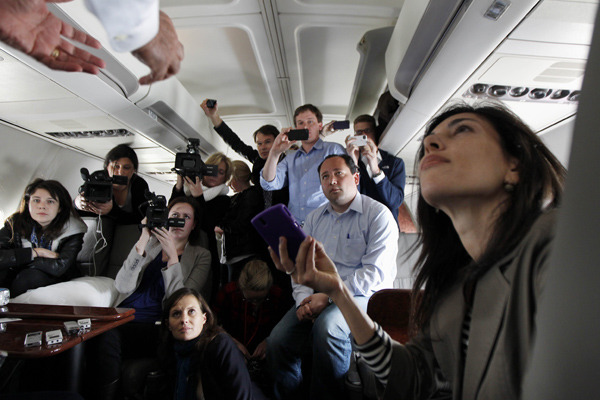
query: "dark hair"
349, 162
311, 108
23, 223
195, 233
121, 151
209, 331
370, 120
443, 258
267, 130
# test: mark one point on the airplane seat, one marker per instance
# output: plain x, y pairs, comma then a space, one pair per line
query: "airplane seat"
406, 260
94, 255
125, 237
390, 308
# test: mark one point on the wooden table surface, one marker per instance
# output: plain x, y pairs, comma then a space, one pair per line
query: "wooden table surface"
47, 318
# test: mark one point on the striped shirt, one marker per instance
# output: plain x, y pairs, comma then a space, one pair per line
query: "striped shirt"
377, 354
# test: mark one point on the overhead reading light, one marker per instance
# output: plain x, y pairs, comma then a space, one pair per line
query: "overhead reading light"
559, 94
495, 11
518, 91
498, 91
574, 96
539, 93
90, 134
521, 93
478, 88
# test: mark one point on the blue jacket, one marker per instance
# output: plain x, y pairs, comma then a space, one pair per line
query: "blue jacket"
390, 191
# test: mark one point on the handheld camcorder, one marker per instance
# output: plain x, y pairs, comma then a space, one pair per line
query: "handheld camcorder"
157, 213
190, 163
98, 186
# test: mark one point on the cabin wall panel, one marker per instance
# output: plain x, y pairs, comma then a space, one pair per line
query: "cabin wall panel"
24, 157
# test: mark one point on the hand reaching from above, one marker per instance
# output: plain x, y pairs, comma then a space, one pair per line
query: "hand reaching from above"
163, 54
29, 26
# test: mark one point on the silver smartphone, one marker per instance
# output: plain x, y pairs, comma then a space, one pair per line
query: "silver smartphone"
360, 140
33, 339
54, 337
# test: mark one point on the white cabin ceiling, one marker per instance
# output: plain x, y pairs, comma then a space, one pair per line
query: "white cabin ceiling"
262, 58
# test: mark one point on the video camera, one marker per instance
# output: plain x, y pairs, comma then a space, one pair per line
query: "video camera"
157, 213
190, 163
98, 186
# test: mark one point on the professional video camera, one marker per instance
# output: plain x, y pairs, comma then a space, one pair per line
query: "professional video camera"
190, 163
98, 186
157, 213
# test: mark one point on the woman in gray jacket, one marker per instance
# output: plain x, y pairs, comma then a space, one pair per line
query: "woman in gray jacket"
488, 187
162, 261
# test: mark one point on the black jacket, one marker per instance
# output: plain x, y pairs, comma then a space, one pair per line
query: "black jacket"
232, 139
68, 244
240, 236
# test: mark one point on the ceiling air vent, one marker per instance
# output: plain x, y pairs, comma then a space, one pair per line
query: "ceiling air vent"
521, 93
90, 134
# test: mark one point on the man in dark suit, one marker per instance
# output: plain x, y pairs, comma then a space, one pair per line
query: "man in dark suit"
382, 175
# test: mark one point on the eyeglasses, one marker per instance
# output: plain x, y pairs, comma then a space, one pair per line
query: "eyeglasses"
363, 131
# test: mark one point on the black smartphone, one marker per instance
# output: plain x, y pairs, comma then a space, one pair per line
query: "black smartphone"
298, 134
277, 221
210, 103
340, 125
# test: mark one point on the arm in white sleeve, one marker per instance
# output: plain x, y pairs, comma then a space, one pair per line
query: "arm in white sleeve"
130, 24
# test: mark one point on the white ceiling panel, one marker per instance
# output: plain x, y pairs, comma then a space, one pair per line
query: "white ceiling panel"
323, 67
226, 66
372, 8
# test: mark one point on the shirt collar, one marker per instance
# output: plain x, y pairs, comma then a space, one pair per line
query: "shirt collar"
318, 145
356, 205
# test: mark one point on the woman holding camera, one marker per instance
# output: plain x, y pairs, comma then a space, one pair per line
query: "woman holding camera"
127, 199
201, 360
488, 187
211, 194
162, 261
39, 243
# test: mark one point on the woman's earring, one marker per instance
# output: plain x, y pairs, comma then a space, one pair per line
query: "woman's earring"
509, 187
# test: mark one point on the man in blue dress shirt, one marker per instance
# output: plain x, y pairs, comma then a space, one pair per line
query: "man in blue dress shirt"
361, 237
382, 175
298, 169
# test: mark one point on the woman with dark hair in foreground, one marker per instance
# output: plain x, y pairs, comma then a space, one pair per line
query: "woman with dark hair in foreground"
39, 243
201, 360
488, 187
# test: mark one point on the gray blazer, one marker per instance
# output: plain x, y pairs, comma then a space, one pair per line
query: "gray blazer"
501, 333
192, 271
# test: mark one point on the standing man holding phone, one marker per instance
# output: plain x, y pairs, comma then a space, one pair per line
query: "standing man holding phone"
382, 176
298, 170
